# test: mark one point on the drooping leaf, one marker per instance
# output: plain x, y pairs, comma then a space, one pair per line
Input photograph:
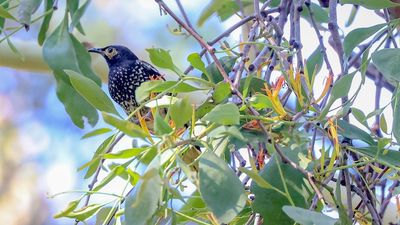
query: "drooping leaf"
125, 154
85, 213
89, 90
69, 208
96, 132
75, 105
350, 131
4, 14
213, 7
62, 51
269, 202
314, 62
110, 176
396, 116
387, 62
260, 101
383, 123
125, 126
389, 157
157, 86
225, 114
46, 21
371, 4
181, 112
221, 92
356, 36
143, 202
359, 115
78, 14
320, 15
227, 63
25, 10
160, 125
256, 177
94, 163
308, 217
220, 188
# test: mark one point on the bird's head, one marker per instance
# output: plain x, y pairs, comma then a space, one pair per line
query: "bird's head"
115, 54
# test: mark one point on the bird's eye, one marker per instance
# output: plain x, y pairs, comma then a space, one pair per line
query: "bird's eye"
110, 50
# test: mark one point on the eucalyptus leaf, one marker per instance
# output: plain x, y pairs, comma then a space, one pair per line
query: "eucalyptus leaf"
125, 126
225, 114
25, 10
308, 217
91, 92
387, 62
371, 4
143, 202
356, 36
220, 188
181, 112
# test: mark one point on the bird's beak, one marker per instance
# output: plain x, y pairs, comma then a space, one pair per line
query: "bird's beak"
96, 50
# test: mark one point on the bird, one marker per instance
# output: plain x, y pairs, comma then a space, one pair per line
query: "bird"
126, 73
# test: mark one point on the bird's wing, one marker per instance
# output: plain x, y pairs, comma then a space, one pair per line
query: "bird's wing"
154, 74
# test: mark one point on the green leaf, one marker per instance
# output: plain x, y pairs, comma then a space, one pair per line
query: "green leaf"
85, 212
255, 177
260, 101
356, 36
91, 92
359, 115
143, 202
78, 14
110, 176
46, 22
221, 92
220, 188
125, 126
254, 85
388, 157
225, 114
269, 202
144, 90
25, 10
387, 62
314, 63
161, 127
94, 163
102, 215
161, 58
308, 217
62, 51
196, 62
5, 14
14, 49
125, 154
320, 15
210, 9
396, 115
96, 132
227, 63
75, 105
371, 4
181, 112
350, 131
383, 123
342, 86
68, 209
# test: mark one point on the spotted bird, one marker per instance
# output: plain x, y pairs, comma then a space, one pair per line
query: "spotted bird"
126, 73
